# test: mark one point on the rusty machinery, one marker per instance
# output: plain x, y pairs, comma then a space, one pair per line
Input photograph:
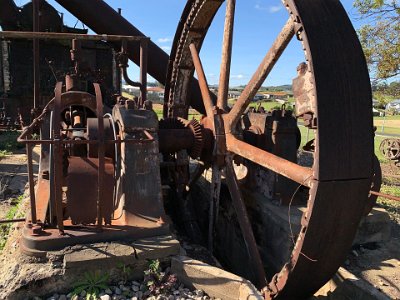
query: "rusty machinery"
102, 171
390, 148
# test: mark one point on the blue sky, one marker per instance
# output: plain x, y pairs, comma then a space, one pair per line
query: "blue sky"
257, 24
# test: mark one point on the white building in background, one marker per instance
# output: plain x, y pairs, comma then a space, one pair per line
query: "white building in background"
394, 105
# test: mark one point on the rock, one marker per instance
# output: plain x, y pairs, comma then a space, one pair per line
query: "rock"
124, 288
135, 288
134, 298
118, 291
355, 253
176, 293
140, 294
105, 297
75, 297
170, 297
62, 297
83, 293
108, 292
135, 283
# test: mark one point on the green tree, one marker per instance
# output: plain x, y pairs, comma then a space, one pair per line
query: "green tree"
380, 38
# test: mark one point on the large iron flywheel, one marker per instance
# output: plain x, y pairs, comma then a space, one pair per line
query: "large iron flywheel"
333, 96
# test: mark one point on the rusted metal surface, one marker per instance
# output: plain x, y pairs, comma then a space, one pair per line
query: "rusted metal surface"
301, 175
12, 221
68, 36
82, 196
205, 92
390, 197
329, 40
222, 100
390, 148
31, 184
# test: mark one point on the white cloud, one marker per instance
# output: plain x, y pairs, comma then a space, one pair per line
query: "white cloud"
271, 9
274, 9
239, 76
166, 48
164, 40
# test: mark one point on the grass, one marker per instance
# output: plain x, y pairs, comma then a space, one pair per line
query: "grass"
5, 228
8, 142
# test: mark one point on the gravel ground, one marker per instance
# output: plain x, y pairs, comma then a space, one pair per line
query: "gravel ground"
135, 291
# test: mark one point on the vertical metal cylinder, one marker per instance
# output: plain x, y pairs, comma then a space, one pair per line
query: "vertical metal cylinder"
143, 71
31, 183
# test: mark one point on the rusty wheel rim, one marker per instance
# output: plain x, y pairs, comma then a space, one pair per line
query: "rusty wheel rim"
341, 105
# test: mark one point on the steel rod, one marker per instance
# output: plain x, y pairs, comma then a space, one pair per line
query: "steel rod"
31, 183
205, 92
68, 36
299, 174
143, 72
391, 197
101, 155
244, 223
279, 45
222, 100
12, 221
57, 158
36, 54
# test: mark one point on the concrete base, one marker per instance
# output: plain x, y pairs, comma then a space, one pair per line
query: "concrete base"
344, 285
215, 282
64, 268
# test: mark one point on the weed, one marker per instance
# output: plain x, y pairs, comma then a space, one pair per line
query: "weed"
126, 271
5, 228
8, 142
157, 281
92, 283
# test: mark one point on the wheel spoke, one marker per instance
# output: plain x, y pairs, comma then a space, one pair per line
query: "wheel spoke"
244, 223
299, 174
262, 72
226, 55
205, 92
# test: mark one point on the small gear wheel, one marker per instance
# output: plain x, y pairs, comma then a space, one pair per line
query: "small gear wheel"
197, 130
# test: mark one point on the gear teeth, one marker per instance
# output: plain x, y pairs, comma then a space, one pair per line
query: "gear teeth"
197, 130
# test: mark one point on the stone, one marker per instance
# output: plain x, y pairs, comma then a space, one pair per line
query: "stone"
108, 291
62, 297
135, 288
135, 283
134, 298
118, 291
83, 293
105, 297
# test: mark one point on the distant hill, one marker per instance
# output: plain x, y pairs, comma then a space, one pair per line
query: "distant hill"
285, 87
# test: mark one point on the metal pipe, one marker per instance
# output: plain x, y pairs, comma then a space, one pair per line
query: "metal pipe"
301, 175
279, 45
205, 92
68, 36
143, 72
31, 184
391, 197
226, 55
36, 55
12, 221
